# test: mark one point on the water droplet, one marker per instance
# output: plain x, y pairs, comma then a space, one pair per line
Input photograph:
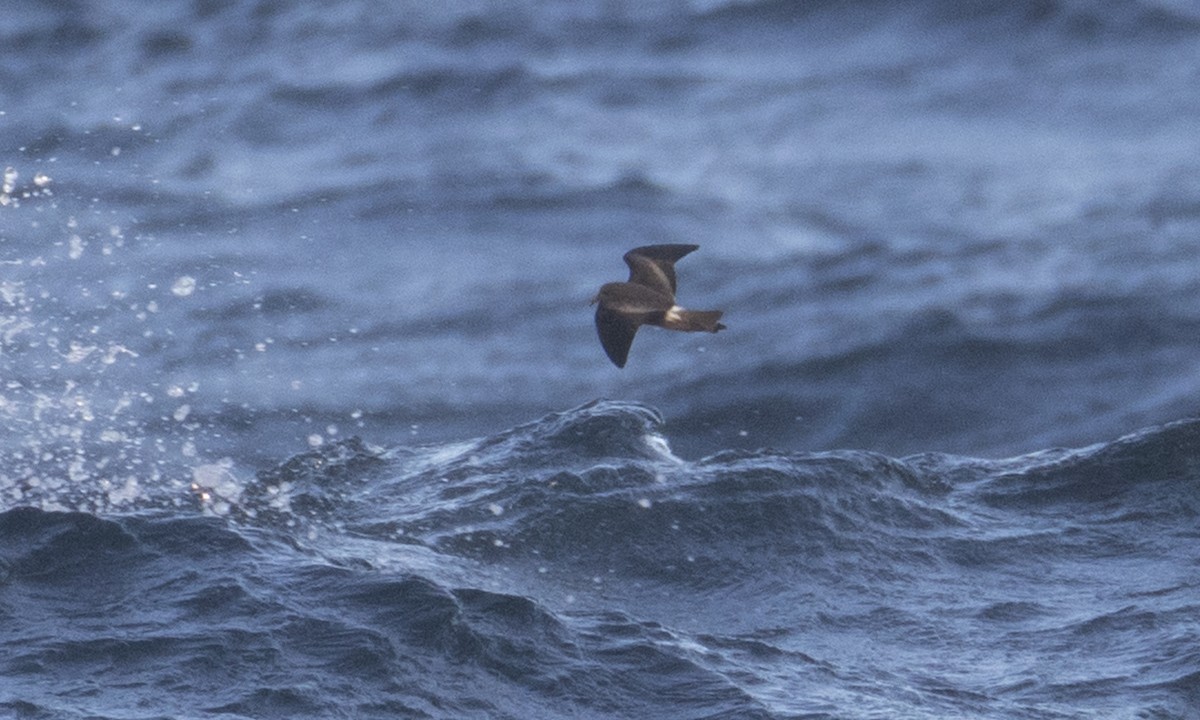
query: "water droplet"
184, 285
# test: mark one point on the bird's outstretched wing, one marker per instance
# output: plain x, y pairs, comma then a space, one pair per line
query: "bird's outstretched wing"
653, 266
616, 333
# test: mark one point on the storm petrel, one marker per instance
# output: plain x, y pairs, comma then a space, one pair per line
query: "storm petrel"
648, 298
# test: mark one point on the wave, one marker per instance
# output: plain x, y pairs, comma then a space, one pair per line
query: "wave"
171, 600
1074, 19
1155, 471
576, 565
463, 87
628, 191
598, 485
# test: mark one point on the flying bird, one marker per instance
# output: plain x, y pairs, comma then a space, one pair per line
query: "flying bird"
648, 298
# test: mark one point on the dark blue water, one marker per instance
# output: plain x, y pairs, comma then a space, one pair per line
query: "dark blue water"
298, 376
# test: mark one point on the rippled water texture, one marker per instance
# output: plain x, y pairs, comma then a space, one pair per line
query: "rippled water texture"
286, 287
575, 567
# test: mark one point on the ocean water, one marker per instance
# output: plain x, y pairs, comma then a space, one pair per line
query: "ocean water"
303, 414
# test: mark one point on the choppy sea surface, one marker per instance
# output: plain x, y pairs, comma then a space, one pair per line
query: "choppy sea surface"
303, 415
